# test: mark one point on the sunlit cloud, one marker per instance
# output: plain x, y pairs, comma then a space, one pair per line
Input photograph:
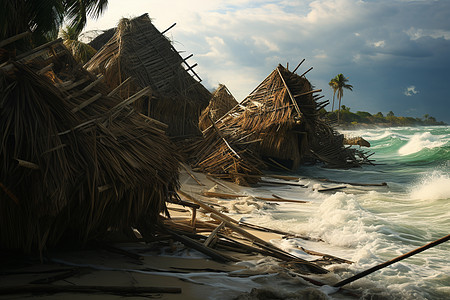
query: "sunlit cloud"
410, 91
379, 44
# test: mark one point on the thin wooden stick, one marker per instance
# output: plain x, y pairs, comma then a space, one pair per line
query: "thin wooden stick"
114, 91
299, 64
213, 234
192, 175
306, 72
390, 262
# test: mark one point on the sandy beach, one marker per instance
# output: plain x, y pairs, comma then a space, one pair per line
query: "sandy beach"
166, 264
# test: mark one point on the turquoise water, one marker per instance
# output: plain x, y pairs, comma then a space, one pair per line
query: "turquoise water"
370, 225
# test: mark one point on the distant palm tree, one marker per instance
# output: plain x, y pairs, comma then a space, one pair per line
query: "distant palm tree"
333, 85
341, 83
81, 52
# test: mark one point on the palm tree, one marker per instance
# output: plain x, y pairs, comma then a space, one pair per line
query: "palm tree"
81, 52
77, 11
43, 18
341, 84
333, 85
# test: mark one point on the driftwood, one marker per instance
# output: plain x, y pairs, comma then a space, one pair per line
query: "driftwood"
282, 183
49, 288
215, 255
334, 188
228, 196
355, 183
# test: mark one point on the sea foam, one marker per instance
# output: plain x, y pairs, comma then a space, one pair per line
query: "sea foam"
421, 141
433, 186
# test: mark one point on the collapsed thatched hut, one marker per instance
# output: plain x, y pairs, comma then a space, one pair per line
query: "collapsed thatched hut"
221, 102
139, 56
277, 125
77, 160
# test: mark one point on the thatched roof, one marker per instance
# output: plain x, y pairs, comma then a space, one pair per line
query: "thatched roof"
221, 102
277, 125
76, 162
140, 52
100, 40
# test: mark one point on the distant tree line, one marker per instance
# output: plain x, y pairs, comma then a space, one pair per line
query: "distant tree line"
348, 118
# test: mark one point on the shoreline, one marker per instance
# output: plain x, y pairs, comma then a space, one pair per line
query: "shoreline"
173, 265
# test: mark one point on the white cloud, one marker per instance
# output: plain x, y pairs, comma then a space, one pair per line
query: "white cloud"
379, 44
417, 33
265, 43
410, 91
239, 42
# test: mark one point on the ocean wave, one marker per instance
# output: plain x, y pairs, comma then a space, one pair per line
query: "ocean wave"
433, 186
420, 141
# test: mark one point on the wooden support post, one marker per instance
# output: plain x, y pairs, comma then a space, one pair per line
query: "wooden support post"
194, 216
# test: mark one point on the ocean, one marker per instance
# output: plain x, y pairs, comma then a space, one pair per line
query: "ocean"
369, 225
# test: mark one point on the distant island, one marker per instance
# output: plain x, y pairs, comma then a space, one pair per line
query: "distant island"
350, 119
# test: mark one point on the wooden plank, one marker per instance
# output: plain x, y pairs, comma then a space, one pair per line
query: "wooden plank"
14, 38
29, 55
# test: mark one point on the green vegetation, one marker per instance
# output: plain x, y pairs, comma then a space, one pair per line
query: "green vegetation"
44, 18
363, 118
81, 52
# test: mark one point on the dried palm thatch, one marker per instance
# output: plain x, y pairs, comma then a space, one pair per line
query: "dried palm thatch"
100, 40
221, 102
76, 163
139, 51
277, 125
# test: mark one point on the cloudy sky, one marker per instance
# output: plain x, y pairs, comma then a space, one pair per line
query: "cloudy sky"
396, 53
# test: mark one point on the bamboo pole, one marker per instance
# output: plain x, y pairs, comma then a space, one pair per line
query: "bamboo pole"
390, 262
14, 38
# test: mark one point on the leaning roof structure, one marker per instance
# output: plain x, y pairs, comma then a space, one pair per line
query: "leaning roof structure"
221, 102
140, 52
77, 160
276, 126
